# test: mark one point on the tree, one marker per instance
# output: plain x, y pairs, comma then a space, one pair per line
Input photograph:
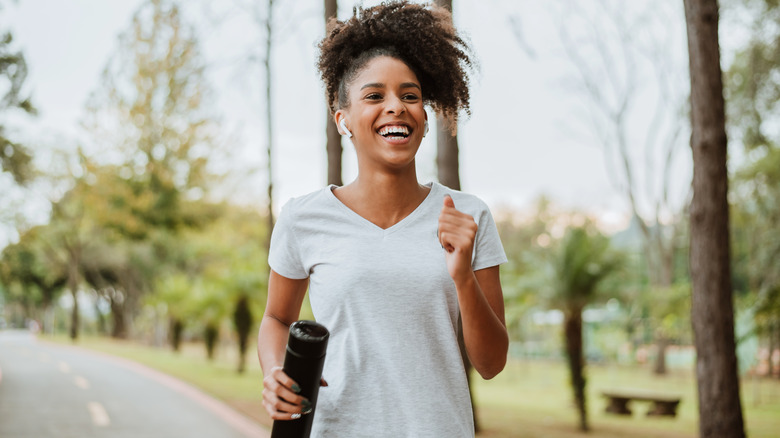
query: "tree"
243, 321
753, 98
620, 55
175, 290
15, 158
261, 13
153, 109
712, 308
333, 145
269, 112
447, 160
582, 262
70, 236
152, 115
26, 265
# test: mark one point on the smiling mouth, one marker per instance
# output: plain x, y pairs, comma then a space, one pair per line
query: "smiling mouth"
394, 131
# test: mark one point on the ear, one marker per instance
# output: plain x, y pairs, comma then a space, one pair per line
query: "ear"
337, 117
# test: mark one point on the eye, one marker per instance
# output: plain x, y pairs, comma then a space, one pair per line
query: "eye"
373, 96
411, 96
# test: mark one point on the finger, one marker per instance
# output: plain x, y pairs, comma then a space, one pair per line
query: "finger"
446, 241
285, 380
456, 229
454, 218
273, 383
448, 202
323, 382
282, 392
277, 415
282, 377
279, 405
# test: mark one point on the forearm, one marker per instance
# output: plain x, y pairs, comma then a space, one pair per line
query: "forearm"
271, 342
484, 331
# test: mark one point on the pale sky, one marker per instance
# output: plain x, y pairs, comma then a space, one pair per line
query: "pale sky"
522, 140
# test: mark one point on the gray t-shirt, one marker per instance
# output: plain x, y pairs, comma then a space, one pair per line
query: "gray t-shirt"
393, 365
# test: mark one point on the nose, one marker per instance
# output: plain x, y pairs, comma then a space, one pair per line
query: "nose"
395, 105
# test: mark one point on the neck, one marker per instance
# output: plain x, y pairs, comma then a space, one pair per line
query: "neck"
383, 198
387, 188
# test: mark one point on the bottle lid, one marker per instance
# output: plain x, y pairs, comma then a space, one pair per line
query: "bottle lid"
308, 338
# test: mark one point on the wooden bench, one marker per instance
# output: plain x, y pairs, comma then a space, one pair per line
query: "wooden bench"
662, 404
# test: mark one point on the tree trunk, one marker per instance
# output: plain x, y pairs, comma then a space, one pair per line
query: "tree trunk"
243, 320
269, 118
447, 162
771, 349
574, 353
73, 284
712, 308
119, 328
774, 336
210, 336
333, 145
660, 361
74, 316
177, 327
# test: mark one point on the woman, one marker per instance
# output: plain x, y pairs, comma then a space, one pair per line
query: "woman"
391, 265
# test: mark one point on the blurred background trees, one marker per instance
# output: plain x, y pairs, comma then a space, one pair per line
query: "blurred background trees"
15, 158
144, 239
752, 93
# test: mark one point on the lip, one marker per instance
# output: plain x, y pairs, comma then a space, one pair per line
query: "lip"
408, 126
396, 140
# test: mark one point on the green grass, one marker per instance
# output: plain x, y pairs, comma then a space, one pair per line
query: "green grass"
528, 399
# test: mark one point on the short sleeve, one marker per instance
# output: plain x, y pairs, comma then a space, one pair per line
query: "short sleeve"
488, 250
284, 255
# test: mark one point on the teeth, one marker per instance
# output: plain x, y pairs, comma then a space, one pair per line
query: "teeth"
395, 129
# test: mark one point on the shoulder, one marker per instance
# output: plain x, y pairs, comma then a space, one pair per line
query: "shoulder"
310, 202
465, 202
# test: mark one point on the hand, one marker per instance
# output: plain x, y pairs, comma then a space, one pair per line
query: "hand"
457, 232
280, 396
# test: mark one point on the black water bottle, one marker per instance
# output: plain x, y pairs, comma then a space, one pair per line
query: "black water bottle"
303, 362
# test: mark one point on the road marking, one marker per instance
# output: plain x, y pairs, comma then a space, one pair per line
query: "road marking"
81, 382
98, 414
65, 368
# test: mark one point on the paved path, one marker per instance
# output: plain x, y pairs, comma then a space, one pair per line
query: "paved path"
58, 391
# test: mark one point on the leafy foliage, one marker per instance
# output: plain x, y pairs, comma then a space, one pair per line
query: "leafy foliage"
14, 157
753, 95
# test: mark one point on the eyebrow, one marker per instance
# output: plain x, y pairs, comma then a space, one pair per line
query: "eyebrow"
378, 85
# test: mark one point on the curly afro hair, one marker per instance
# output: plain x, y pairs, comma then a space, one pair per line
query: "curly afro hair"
422, 36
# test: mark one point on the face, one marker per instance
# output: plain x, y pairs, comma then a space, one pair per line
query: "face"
385, 113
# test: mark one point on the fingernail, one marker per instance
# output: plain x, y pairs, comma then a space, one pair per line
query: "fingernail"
306, 406
306, 411
295, 416
296, 389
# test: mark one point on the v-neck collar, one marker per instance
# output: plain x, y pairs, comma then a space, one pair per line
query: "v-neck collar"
355, 217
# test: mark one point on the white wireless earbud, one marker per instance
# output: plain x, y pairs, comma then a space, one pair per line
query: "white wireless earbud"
426, 129
343, 125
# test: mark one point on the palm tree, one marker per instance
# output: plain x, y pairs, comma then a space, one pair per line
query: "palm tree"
580, 264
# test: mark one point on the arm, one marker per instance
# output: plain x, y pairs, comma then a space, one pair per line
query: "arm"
479, 293
285, 297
